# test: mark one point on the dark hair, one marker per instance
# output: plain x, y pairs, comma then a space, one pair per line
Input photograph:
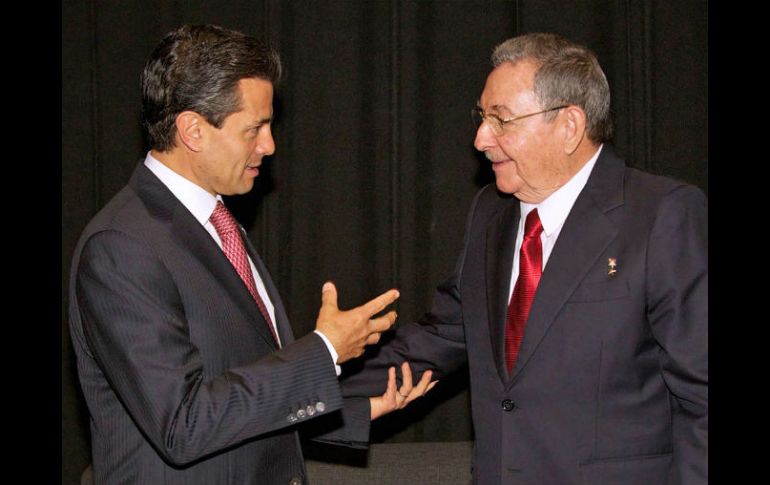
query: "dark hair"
568, 73
197, 68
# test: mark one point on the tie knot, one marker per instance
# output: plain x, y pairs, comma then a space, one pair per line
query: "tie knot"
532, 226
222, 220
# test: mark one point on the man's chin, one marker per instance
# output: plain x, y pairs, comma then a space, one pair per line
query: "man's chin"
240, 190
506, 186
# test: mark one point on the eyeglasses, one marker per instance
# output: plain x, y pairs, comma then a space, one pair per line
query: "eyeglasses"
498, 124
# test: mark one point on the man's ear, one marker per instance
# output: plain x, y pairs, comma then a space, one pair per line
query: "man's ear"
189, 129
575, 128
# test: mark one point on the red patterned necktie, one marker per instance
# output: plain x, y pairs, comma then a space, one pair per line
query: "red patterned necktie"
530, 269
232, 244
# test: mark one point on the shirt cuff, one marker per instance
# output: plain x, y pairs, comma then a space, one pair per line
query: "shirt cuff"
333, 352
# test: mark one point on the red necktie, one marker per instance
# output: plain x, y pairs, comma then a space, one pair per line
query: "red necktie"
530, 269
232, 244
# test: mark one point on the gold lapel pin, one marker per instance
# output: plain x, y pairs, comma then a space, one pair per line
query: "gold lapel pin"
612, 263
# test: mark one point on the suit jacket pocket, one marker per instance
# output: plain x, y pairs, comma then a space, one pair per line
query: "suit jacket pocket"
610, 289
636, 470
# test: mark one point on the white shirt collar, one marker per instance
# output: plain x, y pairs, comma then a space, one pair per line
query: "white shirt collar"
194, 197
553, 211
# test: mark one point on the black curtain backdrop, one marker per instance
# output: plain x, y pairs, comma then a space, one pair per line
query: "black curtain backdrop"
375, 167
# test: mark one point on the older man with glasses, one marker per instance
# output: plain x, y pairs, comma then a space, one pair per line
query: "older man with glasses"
580, 298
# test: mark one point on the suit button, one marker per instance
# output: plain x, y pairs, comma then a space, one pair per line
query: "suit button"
292, 418
320, 406
508, 405
301, 414
295, 481
310, 410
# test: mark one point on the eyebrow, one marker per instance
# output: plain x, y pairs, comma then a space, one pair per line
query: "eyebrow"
500, 107
496, 107
261, 121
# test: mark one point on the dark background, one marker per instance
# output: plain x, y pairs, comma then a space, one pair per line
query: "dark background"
375, 167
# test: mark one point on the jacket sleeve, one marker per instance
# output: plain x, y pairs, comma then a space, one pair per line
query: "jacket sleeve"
134, 323
677, 306
436, 342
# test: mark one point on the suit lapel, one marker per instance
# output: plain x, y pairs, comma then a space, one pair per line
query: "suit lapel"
282, 320
500, 245
587, 231
585, 234
188, 233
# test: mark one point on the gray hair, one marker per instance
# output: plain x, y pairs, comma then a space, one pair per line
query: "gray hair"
568, 73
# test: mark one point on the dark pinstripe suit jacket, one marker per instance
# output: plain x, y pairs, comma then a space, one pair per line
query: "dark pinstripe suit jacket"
182, 379
611, 382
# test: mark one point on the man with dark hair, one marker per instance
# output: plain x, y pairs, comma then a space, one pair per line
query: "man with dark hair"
185, 355
580, 298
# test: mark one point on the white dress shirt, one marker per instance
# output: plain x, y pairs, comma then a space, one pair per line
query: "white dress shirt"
553, 211
201, 205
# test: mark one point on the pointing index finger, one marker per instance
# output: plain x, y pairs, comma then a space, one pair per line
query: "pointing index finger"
378, 304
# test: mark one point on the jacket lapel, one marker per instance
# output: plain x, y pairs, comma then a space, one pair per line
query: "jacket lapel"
282, 320
188, 233
587, 231
500, 245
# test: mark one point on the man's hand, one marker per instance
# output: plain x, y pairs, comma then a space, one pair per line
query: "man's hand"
399, 398
350, 331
